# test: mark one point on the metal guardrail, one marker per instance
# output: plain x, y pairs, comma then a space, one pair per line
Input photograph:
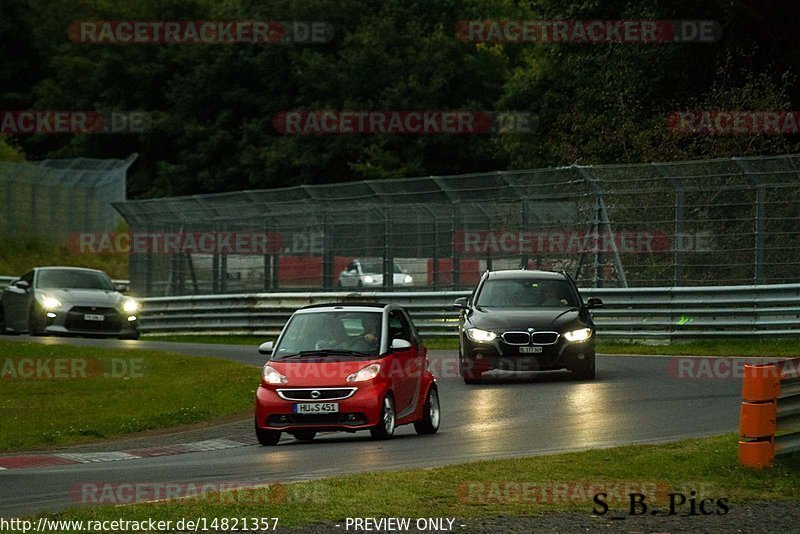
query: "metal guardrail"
769, 423
6, 280
633, 313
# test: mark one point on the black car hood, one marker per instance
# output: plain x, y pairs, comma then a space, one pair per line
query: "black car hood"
506, 319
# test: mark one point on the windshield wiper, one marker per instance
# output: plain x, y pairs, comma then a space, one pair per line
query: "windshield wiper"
325, 352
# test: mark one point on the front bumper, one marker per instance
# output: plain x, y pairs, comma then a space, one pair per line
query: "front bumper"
496, 354
73, 321
360, 411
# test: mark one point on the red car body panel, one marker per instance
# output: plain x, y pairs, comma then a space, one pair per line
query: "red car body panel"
403, 372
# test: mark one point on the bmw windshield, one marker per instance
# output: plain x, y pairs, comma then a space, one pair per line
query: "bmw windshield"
331, 333
527, 293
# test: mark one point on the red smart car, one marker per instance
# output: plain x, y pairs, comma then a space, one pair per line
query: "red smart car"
346, 367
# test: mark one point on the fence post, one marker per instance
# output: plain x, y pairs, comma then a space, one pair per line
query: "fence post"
760, 218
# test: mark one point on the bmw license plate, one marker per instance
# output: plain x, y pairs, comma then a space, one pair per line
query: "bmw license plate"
530, 350
90, 317
317, 407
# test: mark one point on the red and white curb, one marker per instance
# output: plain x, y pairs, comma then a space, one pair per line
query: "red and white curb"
71, 458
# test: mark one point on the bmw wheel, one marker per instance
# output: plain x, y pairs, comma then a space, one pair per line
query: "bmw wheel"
385, 427
431, 414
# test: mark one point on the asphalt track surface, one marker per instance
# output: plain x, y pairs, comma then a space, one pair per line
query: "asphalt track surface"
633, 400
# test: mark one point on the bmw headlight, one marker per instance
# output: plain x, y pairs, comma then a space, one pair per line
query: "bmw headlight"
408, 279
271, 376
368, 279
582, 334
367, 373
130, 306
50, 303
481, 336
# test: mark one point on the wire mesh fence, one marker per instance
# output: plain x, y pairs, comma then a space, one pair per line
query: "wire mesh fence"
58, 198
711, 222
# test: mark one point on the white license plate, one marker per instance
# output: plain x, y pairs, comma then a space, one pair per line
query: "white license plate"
90, 317
317, 407
530, 350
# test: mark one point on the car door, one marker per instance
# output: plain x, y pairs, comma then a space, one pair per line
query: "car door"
17, 302
405, 365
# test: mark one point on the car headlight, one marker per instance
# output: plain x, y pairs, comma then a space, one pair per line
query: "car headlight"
50, 303
367, 373
482, 336
582, 334
408, 279
368, 279
130, 306
272, 376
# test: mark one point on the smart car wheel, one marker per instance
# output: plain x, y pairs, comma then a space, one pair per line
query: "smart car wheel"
385, 427
268, 437
431, 414
304, 435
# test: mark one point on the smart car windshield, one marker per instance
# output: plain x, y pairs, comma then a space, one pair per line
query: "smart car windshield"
527, 293
331, 333
73, 279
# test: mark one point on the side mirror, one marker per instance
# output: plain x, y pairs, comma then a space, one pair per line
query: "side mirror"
461, 303
266, 348
121, 288
400, 344
594, 302
22, 284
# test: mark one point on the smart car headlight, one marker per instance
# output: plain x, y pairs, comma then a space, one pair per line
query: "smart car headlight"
50, 303
582, 334
271, 376
367, 373
481, 336
130, 306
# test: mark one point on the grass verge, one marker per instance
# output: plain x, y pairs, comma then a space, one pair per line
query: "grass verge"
715, 347
19, 255
60, 395
486, 489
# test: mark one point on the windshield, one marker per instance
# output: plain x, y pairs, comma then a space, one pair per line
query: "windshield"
527, 293
376, 267
318, 332
74, 279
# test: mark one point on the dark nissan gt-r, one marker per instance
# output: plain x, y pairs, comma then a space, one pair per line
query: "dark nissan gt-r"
526, 321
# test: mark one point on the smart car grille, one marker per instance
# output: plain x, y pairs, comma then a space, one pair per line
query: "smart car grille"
337, 419
544, 338
75, 319
320, 394
516, 338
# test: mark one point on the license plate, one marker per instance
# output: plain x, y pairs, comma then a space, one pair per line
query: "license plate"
317, 407
90, 317
530, 350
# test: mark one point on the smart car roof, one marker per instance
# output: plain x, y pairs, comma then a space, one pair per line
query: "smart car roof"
350, 306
